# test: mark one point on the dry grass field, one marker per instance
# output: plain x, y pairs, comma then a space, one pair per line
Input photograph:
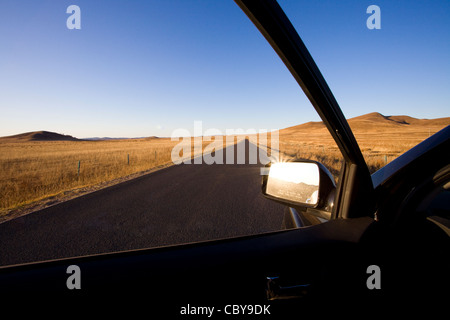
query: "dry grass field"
36, 169
33, 170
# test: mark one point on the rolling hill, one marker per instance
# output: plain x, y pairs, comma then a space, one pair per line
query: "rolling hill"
371, 123
375, 122
380, 138
38, 136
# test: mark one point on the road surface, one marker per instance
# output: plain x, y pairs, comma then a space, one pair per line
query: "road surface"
180, 204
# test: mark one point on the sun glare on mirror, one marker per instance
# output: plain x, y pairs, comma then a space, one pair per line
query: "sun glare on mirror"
295, 172
294, 181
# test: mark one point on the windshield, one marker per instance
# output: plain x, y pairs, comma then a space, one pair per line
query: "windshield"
129, 125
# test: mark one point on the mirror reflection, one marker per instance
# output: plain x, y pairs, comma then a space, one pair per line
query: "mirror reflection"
294, 181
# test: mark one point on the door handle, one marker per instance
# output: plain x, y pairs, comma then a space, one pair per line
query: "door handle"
275, 291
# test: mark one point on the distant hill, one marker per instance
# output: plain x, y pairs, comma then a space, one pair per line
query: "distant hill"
374, 122
103, 138
38, 136
371, 123
108, 138
53, 136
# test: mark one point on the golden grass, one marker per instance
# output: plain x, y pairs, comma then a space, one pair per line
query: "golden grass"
378, 147
34, 170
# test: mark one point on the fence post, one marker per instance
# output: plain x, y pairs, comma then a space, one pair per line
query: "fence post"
385, 159
128, 159
79, 165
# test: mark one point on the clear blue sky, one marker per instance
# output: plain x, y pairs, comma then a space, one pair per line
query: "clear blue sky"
142, 68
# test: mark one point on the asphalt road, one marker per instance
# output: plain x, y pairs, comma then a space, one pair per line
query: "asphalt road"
180, 204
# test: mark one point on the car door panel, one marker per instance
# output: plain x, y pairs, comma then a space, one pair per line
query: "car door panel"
234, 269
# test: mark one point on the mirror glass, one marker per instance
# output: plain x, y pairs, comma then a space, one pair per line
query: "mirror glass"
294, 181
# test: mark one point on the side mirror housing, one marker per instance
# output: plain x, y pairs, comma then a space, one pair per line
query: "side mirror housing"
303, 185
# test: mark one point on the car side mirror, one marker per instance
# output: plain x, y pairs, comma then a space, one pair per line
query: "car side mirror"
304, 185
